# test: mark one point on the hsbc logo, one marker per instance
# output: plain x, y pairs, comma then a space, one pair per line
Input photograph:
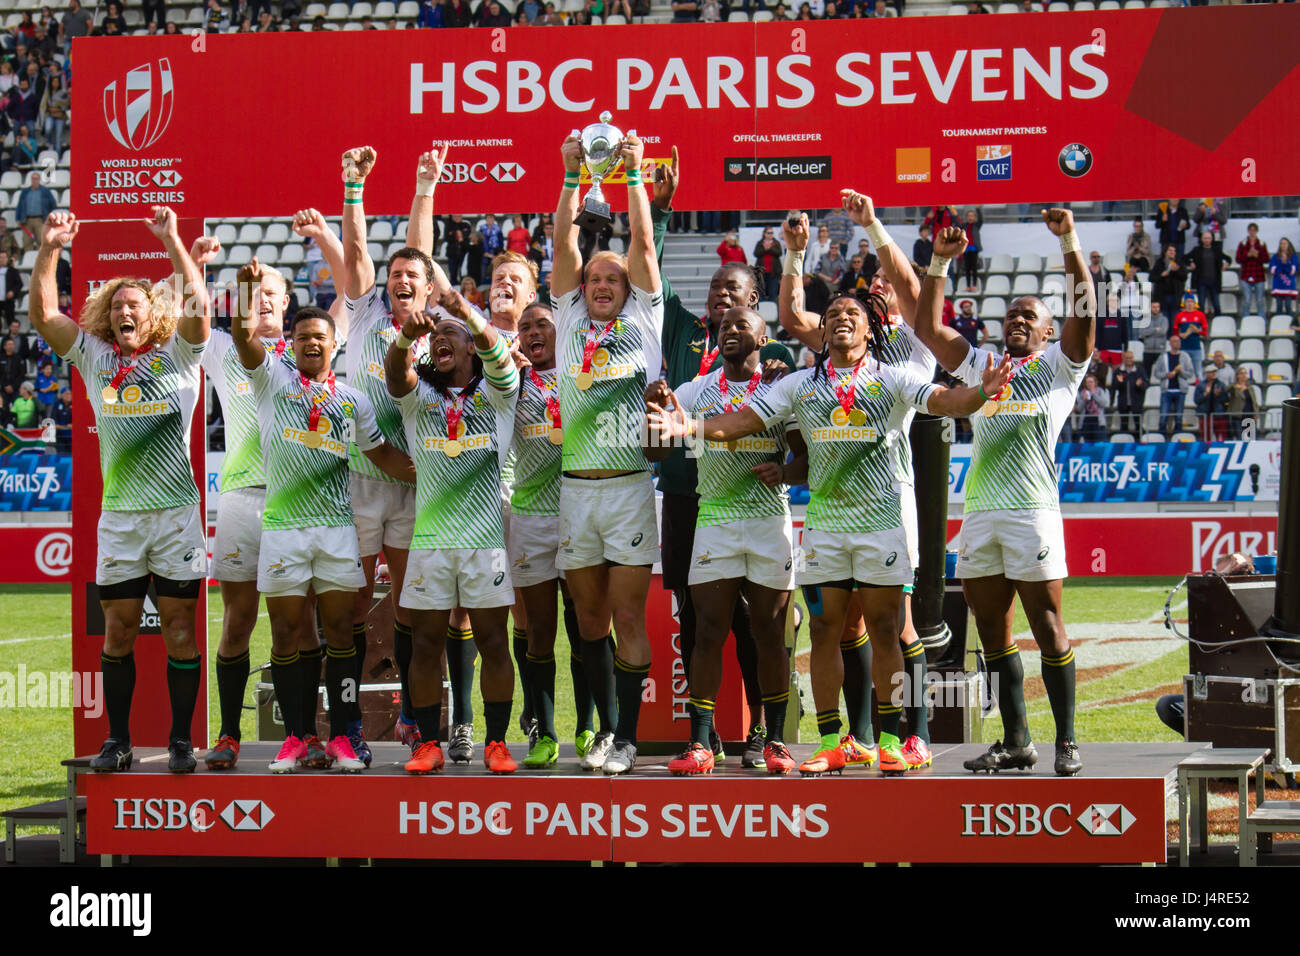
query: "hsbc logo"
138, 106
1028, 819
480, 173
166, 177
247, 815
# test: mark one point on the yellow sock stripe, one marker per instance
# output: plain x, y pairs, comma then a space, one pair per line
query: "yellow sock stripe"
548, 659
337, 652
776, 698
998, 655
459, 634
358, 629
884, 709
631, 668
854, 643
519, 634
401, 628
286, 659
313, 653
700, 703
1061, 661
915, 649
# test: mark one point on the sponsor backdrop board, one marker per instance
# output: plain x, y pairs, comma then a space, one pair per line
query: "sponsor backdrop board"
1029, 819
767, 115
106, 250
35, 482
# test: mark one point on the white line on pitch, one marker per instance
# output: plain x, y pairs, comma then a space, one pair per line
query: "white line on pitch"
46, 637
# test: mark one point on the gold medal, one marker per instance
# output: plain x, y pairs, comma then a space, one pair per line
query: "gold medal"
989, 408
460, 428
584, 380
323, 426
600, 357
840, 417
451, 448
857, 417
109, 395
556, 435
311, 439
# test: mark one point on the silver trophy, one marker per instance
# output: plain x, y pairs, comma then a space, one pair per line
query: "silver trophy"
601, 145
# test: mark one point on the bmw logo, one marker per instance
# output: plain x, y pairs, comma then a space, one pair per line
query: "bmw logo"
1075, 160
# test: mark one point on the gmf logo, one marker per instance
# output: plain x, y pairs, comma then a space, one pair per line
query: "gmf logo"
138, 107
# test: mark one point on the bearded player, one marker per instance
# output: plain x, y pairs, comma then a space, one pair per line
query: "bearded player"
308, 422
138, 352
847, 410
458, 408
1012, 536
743, 541
608, 318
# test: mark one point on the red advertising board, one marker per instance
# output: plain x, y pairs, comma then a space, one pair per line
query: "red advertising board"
105, 250
915, 110
850, 819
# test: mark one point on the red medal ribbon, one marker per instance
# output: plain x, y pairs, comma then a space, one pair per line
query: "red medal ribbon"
707, 359
124, 370
1015, 367
845, 396
454, 414
752, 387
313, 409
589, 346
279, 348
552, 404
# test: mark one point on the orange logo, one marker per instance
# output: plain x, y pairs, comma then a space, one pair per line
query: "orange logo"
912, 164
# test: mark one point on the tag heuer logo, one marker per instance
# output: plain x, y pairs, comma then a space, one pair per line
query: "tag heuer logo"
138, 105
247, 815
735, 168
1106, 819
507, 172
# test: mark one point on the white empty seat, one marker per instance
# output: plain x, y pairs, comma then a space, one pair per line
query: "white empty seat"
1223, 326
1184, 437
1276, 395
376, 251
1231, 282
1135, 4
351, 25
1108, 5
395, 246
998, 285
267, 254
993, 307
994, 328
318, 10
11, 179
1280, 372
1055, 262
1114, 261
337, 11
196, 15
408, 9
618, 20
1281, 350
1138, 349
1008, 8
1279, 325
1225, 346
1001, 264
291, 255
1058, 7
1029, 263
227, 277
386, 9
1122, 438
737, 16
768, 311
239, 255
1228, 303
1150, 438
763, 16
1250, 350
277, 232
381, 231
1025, 285
226, 234
362, 8
1052, 285
251, 233
1251, 327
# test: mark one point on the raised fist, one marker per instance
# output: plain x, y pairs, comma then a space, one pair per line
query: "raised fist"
358, 163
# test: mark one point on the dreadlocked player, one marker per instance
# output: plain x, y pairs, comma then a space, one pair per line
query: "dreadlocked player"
848, 409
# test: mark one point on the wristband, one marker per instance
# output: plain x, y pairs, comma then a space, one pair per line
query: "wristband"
938, 267
1070, 242
987, 398
425, 187
793, 264
571, 180
402, 342
634, 177
478, 324
878, 236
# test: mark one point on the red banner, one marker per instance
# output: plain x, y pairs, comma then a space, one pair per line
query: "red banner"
105, 250
1029, 819
917, 110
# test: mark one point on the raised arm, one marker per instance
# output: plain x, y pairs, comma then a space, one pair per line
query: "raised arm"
358, 268
309, 223
1080, 329
399, 364
893, 261
189, 288
945, 342
804, 326
244, 324
419, 227
566, 267
642, 266
43, 305
498, 367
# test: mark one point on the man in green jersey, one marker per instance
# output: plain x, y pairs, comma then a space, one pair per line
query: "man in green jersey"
307, 423
742, 541
138, 351
458, 411
1012, 536
847, 408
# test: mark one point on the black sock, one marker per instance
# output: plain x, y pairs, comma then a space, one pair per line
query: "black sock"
685, 628
627, 683
1007, 675
286, 678
598, 662
915, 690
890, 715
359, 632
496, 714
856, 655
340, 666
747, 658
461, 654
828, 722
541, 676
1058, 679
309, 665
519, 648
701, 711
429, 720
119, 686
774, 715
402, 654
183, 690
582, 702
232, 681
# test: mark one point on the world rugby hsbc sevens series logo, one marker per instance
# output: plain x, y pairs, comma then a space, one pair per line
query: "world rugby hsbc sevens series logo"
138, 106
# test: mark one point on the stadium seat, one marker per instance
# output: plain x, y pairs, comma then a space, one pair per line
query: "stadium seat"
397, 245
1058, 7
1084, 5
1254, 370
1228, 303
1184, 437
1056, 306
998, 285
361, 8
1030, 263
1152, 399
737, 16
351, 25
1279, 325
337, 11
1223, 327
1008, 8
1108, 5
376, 251
227, 276
250, 233
267, 254
1250, 350
994, 328
1114, 261
1052, 285
239, 255
1276, 395
1231, 282
318, 10
1138, 349
1150, 438
277, 232
1281, 350
1280, 372
381, 230
1001, 264
1122, 438
386, 9
1055, 263
1025, 285
768, 311
763, 16
196, 15
11, 179
408, 10
1225, 345
291, 254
